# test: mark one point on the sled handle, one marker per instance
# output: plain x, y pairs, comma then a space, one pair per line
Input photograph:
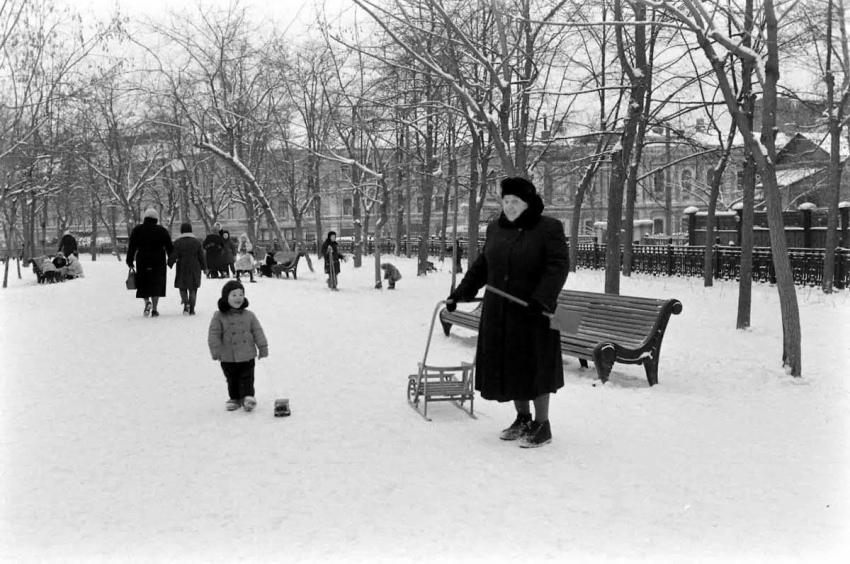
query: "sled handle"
440, 304
560, 320
431, 330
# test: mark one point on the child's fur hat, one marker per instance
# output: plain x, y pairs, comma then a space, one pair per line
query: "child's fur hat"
231, 285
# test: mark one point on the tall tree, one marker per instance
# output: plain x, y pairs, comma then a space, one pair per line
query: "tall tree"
700, 21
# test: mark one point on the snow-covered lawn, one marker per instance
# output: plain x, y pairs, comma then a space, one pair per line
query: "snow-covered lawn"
115, 444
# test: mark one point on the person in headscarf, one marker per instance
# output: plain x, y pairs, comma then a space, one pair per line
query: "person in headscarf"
149, 247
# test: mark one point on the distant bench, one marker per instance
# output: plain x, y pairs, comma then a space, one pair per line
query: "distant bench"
287, 263
43, 276
613, 328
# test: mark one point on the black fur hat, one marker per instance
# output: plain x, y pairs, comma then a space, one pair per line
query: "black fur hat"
520, 187
331, 233
225, 291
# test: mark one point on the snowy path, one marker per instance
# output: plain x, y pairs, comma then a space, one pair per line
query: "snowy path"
116, 446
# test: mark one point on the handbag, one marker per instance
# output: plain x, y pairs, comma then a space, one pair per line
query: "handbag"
131, 280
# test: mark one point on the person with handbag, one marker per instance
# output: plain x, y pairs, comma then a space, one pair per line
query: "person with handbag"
149, 247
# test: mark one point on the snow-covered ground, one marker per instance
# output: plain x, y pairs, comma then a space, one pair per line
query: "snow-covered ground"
116, 446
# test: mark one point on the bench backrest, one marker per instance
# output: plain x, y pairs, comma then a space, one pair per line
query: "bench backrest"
284, 258
630, 321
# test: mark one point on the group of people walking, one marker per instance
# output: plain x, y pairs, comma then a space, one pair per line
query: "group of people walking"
518, 355
220, 252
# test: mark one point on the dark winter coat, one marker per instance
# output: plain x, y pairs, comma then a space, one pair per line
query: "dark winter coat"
229, 251
518, 356
150, 245
235, 335
190, 258
333, 245
391, 273
68, 245
214, 247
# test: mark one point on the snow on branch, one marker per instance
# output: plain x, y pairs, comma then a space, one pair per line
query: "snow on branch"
744, 53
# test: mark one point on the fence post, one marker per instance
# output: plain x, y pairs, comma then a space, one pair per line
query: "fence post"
596, 252
670, 261
805, 210
840, 265
691, 212
738, 207
844, 213
716, 258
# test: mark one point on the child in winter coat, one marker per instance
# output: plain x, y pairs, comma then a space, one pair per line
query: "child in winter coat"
235, 337
391, 274
74, 268
330, 252
245, 257
268, 263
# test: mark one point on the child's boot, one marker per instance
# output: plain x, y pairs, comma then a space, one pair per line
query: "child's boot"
232, 404
249, 403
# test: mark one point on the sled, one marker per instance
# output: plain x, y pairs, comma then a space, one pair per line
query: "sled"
331, 270
441, 383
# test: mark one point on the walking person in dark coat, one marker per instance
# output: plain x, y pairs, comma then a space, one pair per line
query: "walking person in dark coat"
214, 247
191, 260
68, 244
331, 248
150, 245
229, 254
518, 356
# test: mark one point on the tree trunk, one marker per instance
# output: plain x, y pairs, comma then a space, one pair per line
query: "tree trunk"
621, 158
251, 181
791, 337
716, 180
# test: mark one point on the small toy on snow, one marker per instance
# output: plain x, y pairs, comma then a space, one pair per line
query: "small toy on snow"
281, 407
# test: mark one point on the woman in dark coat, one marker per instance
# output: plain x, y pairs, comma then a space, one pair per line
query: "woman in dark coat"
68, 244
150, 245
331, 248
518, 357
229, 253
214, 247
189, 255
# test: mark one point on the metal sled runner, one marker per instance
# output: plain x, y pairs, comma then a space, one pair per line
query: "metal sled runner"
440, 383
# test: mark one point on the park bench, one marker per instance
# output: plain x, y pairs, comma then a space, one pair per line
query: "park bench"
43, 277
612, 328
286, 263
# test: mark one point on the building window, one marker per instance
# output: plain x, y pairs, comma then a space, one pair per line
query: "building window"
231, 212
687, 182
347, 208
658, 185
420, 204
658, 226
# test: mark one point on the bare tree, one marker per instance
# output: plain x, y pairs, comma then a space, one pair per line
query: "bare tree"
231, 80
700, 21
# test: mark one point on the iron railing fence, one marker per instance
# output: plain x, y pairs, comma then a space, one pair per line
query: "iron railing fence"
656, 260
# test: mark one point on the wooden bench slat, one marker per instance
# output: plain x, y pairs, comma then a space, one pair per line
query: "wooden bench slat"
632, 325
